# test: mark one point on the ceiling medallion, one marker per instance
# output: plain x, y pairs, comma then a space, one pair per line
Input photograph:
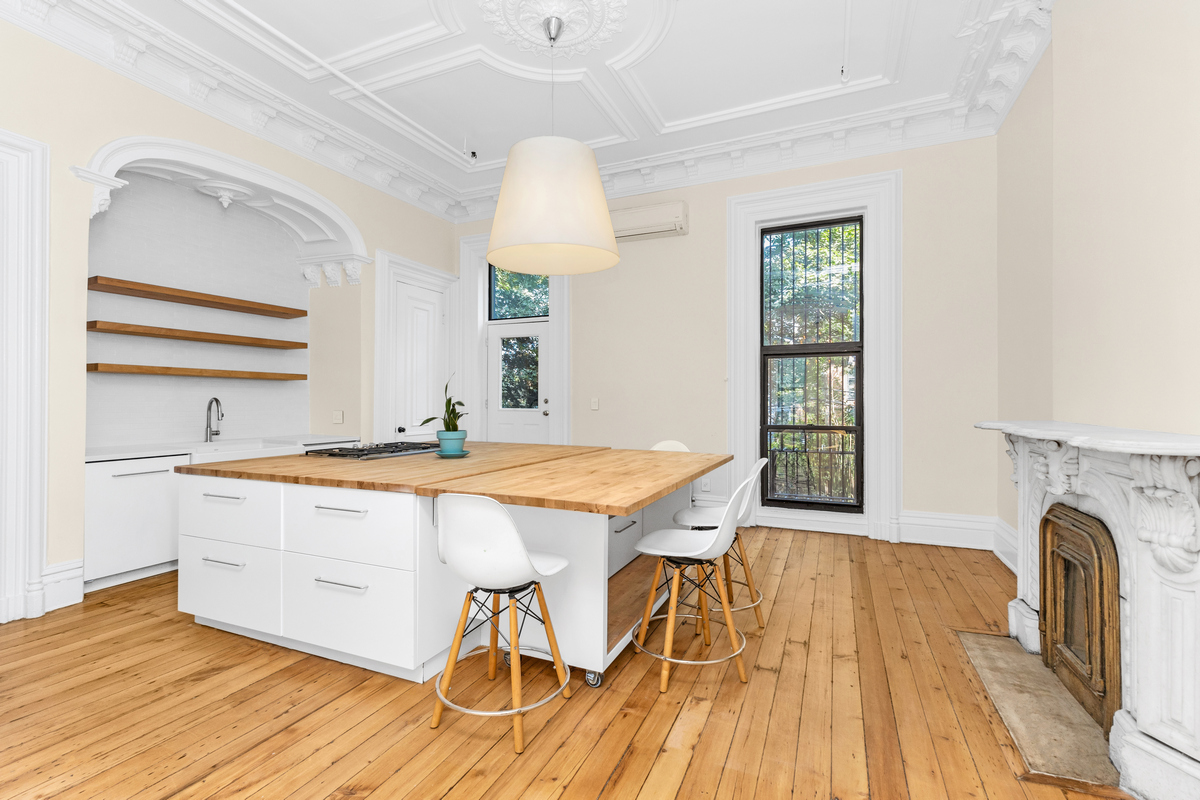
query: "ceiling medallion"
586, 23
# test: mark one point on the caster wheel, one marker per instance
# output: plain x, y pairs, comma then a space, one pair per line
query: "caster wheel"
507, 658
594, 679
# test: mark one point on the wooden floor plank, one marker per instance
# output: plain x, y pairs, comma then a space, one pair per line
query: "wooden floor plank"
858, 688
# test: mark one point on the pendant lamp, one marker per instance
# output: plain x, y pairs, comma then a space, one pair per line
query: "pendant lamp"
552, 217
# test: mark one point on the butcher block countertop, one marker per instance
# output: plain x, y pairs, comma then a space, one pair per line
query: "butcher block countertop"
590, 479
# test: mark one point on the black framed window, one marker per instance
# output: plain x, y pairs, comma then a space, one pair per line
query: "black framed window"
515, 295
811, 365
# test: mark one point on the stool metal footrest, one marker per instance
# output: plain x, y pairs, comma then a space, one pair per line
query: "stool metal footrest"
662, 657
437, 686
746, 607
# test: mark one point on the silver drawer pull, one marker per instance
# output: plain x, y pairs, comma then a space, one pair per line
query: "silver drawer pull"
226, 563
362, 588
627, 527
147, 472
346, 510
224, 496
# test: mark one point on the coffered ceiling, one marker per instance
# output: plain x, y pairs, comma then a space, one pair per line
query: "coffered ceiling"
400, 93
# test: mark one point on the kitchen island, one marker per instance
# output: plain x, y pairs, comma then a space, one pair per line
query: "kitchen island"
339, 557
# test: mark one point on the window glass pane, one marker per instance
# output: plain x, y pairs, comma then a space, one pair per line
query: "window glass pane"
813, 466
519, 372
516, 295
811, 282
812, 390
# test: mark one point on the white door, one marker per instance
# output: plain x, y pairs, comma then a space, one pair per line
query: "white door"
421, 349
519, 407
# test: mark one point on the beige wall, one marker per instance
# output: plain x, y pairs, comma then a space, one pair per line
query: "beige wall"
648, 336
76, 106
1126, 205
1025, 250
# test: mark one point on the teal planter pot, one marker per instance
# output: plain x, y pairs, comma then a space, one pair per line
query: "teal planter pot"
452, 441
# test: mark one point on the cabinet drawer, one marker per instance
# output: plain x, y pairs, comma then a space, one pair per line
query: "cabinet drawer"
623, 535
354, 608
130, 515
233, 583
231, 510
351, 524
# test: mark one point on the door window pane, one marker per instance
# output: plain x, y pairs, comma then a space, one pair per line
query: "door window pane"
811, 282
515, 295
519, 372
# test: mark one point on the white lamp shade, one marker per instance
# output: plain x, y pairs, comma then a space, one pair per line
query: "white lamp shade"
552, 217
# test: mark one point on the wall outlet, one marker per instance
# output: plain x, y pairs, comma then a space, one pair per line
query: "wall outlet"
339, 417
595, 404
705, 485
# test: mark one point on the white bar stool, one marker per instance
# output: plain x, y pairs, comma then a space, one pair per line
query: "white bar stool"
683, 548
699, 518
479, 541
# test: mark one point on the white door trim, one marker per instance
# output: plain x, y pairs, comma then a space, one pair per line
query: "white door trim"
878, 199
473, 277
24, 297
389, 269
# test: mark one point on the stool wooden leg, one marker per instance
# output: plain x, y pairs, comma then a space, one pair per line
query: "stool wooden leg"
514, 629
749, 579
733, 639
494, 638
658, 568
558, 662
703, 575
438, 706
728, 576
667, 647
699, 591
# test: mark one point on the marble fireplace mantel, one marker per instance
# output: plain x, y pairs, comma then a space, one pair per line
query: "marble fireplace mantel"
1144, 486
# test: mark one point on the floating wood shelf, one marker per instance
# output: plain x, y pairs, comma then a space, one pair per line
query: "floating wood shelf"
189, 372
100, 326
149, 291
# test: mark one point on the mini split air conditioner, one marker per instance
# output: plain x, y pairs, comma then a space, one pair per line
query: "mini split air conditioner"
648, 222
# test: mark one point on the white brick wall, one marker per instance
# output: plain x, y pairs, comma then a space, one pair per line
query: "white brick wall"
158, 232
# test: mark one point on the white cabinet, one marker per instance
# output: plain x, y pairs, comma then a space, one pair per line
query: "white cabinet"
233, 583
232, 510
351, 524
130, 515
360, 609
623, 535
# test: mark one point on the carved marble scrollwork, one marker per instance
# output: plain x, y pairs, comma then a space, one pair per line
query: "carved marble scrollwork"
1011, 449
1167, 510
1058, 466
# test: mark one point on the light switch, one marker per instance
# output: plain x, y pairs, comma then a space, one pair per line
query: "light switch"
595, 404
339, 417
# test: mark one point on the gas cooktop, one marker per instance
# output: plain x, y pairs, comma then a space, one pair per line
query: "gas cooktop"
366, 451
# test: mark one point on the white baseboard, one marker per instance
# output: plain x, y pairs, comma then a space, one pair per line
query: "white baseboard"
948, 530
710, 501
1005, 546
131, 575
63, 584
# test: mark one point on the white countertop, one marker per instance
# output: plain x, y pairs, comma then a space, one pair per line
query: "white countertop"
155, 449
1101, 437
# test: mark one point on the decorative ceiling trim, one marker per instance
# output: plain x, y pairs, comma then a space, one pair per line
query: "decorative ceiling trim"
587, 24
480, 55
622, 68
1009, 37
444, 25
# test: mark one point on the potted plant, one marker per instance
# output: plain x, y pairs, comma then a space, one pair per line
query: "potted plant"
450, 438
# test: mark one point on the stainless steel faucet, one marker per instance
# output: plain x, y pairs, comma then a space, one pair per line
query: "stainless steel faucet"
209, 433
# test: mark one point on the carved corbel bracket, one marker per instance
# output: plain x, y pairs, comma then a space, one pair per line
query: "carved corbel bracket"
1058, 466
1167, 510
1011, 449
312, 275
333, 275
102, 187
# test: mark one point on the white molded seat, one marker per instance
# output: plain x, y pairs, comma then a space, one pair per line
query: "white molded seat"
479, 541
671, 446
700, 517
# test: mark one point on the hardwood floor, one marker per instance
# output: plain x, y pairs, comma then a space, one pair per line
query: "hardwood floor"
858, 688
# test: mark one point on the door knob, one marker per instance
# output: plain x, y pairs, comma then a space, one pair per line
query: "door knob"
545, 413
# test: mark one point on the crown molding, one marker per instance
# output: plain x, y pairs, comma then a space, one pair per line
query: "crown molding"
1007, 38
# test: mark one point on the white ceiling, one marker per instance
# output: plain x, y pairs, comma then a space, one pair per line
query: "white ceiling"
667, 92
